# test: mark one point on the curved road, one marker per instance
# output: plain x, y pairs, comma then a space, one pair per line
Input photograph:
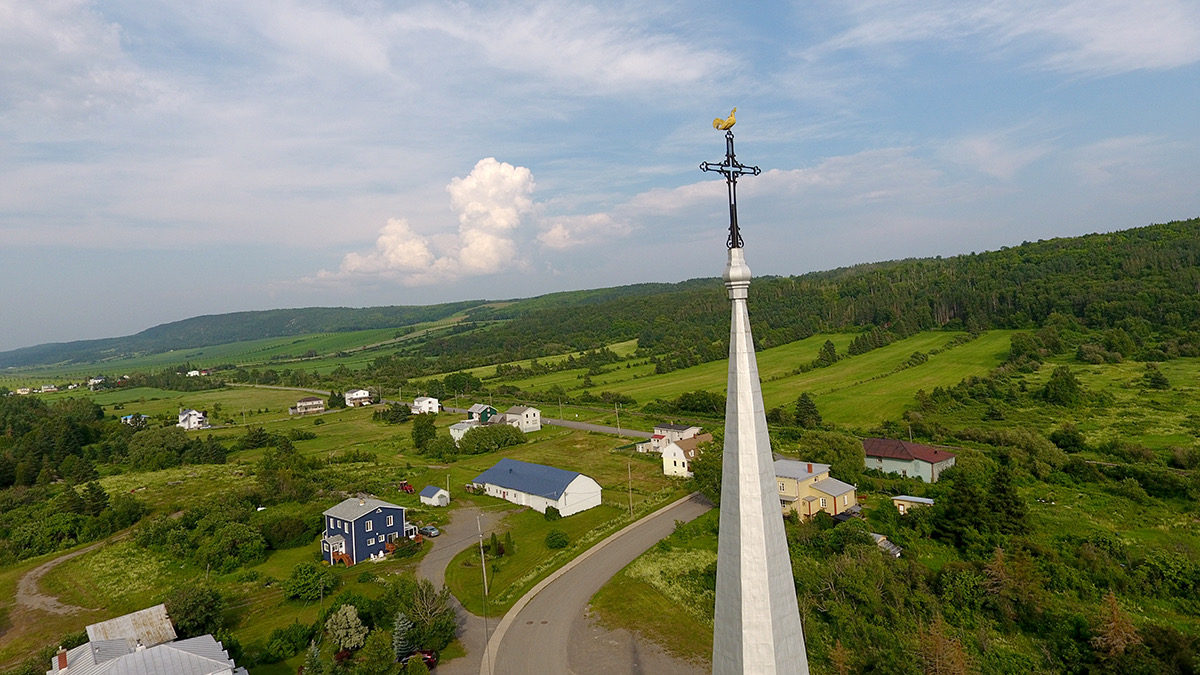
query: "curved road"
534, 636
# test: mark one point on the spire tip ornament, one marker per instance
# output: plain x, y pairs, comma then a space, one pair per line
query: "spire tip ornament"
731, 169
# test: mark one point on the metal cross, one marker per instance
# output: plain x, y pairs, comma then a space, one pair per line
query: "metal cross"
731, 169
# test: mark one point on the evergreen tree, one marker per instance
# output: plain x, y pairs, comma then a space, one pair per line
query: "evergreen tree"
509, 549
346, 629
1012, 517
70, 501
401, 627
1116, 633
95, 499
807, 414
1062, 388
423, 430
1154, 378
494, 545
313, 664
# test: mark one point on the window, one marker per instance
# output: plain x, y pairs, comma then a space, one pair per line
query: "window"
823, 502
346, 527
389, 520
845, 500
332, 524
371, 541
781, 488
325, 546
370, 526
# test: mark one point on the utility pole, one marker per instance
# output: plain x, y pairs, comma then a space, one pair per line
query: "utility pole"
629, 468
617, 407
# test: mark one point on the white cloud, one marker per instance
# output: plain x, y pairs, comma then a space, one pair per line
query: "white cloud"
995, 154
1089, 37
491, 203
63, 59
575, 231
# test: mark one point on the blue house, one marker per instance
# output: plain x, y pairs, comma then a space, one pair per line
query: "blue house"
361, 528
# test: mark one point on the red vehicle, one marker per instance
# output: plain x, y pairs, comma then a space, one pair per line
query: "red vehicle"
429, 656
406, 487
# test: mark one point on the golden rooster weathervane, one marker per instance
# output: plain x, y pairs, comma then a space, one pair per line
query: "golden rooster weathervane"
727, 123
731, 169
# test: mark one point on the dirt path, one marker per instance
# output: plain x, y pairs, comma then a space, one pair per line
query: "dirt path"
30, 596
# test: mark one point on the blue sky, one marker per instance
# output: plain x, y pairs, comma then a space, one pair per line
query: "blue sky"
163, 160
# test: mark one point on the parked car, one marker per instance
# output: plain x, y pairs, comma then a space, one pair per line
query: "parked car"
428, 656
429, 531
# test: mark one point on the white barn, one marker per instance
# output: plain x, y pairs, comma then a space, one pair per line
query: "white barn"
435, 496
538, 486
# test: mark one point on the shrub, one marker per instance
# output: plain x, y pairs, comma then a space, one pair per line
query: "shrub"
286, 642
556, 539
195, 609
552, 513
308, 581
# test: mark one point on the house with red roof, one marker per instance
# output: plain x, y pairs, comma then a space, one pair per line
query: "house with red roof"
906, 458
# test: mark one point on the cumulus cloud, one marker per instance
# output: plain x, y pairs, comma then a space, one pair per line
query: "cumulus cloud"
491, 202
995, 154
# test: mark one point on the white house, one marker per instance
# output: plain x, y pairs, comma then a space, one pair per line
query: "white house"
665, 434
425, 404
538, 486
309, 405
907, 459
193, 373
358, 397
678, 456
193, 419
524, 418
435, 496
457, 431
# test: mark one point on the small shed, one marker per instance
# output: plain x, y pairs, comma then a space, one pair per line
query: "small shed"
904, 503
435, 496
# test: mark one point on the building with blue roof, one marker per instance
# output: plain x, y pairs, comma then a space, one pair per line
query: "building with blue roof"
435, 496
538, 486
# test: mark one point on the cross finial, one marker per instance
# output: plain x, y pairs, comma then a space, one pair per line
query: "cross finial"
731, 169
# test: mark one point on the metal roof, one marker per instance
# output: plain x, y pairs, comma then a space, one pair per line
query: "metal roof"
676, 427
832, 487
432, 491
149, 626
915, 500
195, 656
790, 468
534, 479
354, 508
897, 449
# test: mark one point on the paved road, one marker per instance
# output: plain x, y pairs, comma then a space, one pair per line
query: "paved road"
536, 637
582, 426
456, 534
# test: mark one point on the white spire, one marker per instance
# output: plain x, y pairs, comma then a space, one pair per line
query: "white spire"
757, 623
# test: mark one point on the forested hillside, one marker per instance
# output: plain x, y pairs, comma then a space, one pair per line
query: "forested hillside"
1147, 274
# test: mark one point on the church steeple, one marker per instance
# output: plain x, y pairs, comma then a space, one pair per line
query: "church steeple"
756, 627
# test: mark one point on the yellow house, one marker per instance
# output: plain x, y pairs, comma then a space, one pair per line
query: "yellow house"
806, 488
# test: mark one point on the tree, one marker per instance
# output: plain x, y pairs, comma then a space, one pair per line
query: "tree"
807, 415
509, 549
1062, 388
69, 501
551, 513
230, 546
827, 356
416, 666
195, 609
706, 471
313, 663
423, 430
1154, 378
1006, 504
941, 653
433, 617
494, 546
336, 400
401, 628
309, 581
376, 657
345, 628
95, 499
1115, 633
